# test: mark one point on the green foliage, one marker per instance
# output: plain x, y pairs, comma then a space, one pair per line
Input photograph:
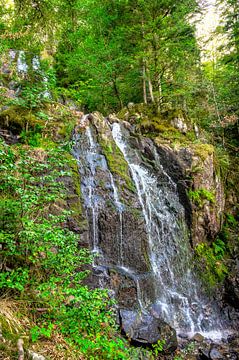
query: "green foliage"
31, 96
198, 197
16, 278
231, 220
158, 347
37, 332
222, 161
212, 262
41, 259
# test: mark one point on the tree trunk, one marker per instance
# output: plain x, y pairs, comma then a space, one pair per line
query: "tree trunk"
117, 93
160, 97
150, 89
149, 84
144, 84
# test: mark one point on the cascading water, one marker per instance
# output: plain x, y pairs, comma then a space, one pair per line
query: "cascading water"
93, 161
179, 297
178, 293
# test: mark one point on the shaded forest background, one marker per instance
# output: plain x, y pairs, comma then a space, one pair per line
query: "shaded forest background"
105, 54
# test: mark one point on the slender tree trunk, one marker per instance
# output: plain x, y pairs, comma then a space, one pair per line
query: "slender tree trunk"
116, 90
215, 102
149, 83
160, 93
214, 92
150, 89
144, 84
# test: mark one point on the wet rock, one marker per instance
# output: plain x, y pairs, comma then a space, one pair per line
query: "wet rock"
232, 287
204, 354
198, 338
145, 329
183, 336
214, 354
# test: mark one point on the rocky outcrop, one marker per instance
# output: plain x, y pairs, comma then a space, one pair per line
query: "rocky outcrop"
145, 329
117, 230
127, 234
200, 188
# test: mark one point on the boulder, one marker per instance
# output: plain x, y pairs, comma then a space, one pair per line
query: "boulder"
145, 329
198, 337
215, 354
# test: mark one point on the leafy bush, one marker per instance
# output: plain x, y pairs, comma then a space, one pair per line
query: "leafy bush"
199, 196
42, 262
211, 259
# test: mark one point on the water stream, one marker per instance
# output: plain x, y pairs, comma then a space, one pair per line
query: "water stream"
179, 295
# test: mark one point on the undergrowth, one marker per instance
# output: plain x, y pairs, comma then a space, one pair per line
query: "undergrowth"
42, 265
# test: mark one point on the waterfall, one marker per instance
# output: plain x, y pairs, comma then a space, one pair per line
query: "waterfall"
178, 292
90, 161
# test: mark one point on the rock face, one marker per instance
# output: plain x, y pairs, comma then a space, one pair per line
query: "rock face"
145, 329
195, 167
118, 235
232, 287
207, 217
140, 218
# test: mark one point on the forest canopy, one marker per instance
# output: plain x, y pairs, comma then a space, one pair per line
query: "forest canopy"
105, 54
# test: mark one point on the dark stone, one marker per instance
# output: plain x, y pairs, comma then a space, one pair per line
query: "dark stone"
9, 137
176, 170
204, 354
232, 287
183, 336
135, 239
145, 329
214, 354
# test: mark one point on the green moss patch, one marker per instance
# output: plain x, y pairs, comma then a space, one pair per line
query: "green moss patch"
203, 150
210, 263
17, 119
199, 197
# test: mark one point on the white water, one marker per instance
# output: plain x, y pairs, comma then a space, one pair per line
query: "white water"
120, 209
94, 161
22, 66
177, 290
178, 294
92, 155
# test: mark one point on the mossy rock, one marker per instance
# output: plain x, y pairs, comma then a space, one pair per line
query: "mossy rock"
116, 162
203, 150
17, 119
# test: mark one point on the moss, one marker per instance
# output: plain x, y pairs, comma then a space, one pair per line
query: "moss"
199, 197
66, 128
155, 125
137, 111
116, 162
210, 264
203, 150
17, 119
136, 213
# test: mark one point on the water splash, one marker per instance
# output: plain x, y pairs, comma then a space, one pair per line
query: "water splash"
178, 292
